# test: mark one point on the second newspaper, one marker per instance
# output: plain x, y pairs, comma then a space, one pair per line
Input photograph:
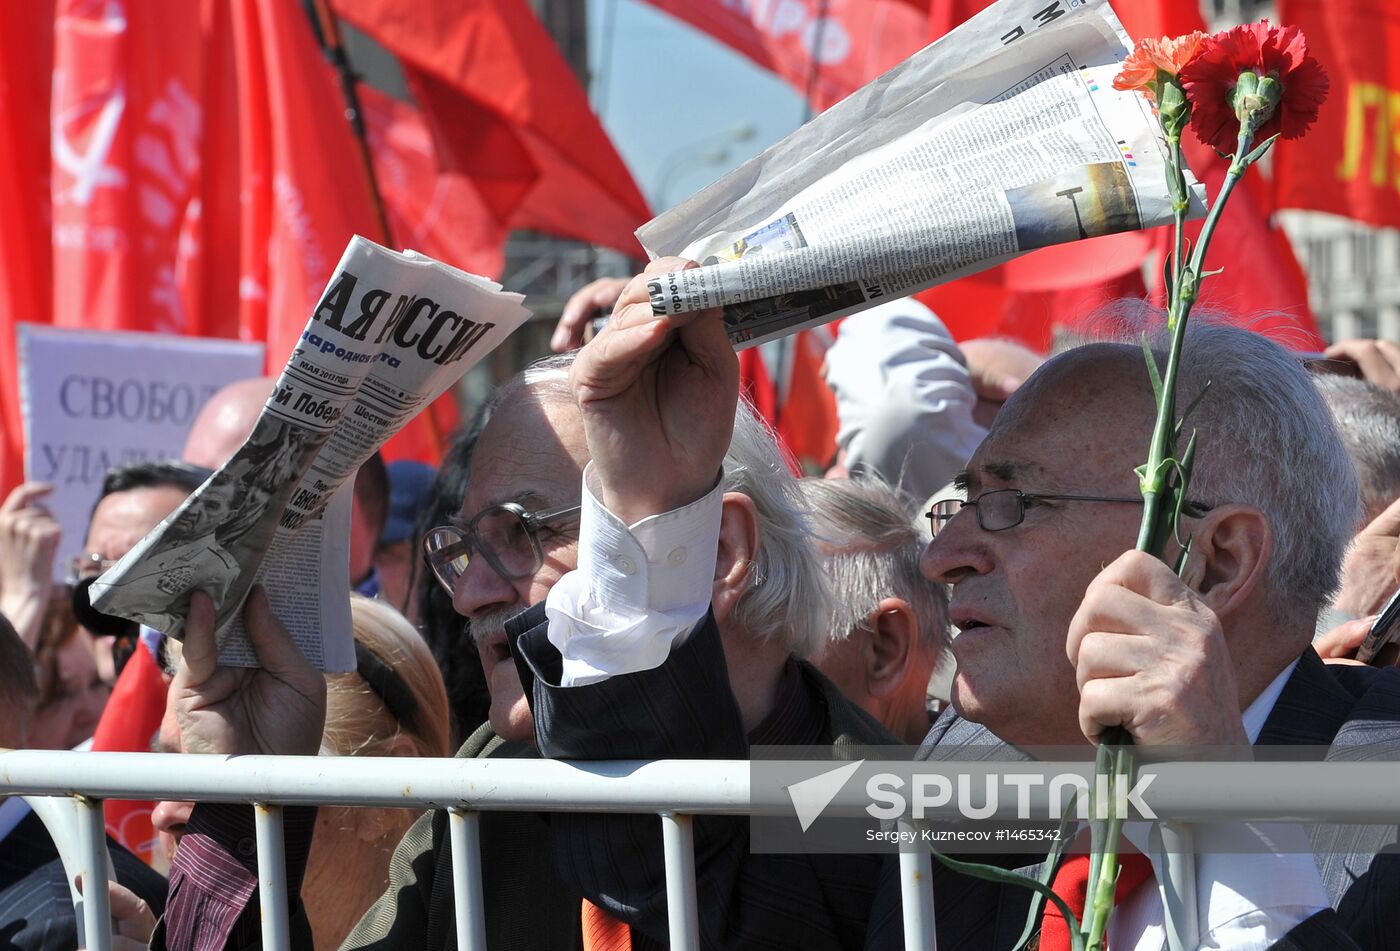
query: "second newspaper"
1004, 136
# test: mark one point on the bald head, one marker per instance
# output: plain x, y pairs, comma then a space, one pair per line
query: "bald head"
225, 421
1099, 388
1266, 438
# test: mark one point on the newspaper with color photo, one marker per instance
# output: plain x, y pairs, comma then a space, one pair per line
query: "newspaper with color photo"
391, 333
1004, 136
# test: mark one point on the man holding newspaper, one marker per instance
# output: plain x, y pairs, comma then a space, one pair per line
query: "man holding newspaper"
1002, 138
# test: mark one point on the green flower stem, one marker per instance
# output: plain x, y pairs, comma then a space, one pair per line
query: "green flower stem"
1181, 202
1098, 903
1163, 485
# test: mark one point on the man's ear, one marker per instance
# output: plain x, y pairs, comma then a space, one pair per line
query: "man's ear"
894, 634
739, 537
1230, 550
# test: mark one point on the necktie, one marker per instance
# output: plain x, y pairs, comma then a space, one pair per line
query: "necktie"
1072, 884
603, 932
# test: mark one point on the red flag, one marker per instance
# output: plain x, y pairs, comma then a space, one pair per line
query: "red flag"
129, 722
1349, 162
1262, 285
1155, 18
202, 179
944, 15
125, 124
431, 209
506, 106
806, 419
826, 49
305, 194
438, 212
26, 54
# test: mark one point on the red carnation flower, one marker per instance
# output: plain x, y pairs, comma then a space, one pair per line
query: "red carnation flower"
1278, 53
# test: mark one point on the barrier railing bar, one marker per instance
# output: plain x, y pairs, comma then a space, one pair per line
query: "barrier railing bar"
272, 877
97, 911
916, 897
1179, 890
465, 828
1359, 792
678, 839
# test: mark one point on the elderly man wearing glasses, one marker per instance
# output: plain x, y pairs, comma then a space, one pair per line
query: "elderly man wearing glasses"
505, 561
1065, 631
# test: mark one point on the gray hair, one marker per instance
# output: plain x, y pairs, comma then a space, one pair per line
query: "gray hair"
875, 542
1368, 419
787, 596
1266, 440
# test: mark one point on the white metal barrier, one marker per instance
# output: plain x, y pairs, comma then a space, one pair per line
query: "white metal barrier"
676, 790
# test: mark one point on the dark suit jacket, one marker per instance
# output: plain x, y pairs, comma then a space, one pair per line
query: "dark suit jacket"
685, 709
753, 900
36, 909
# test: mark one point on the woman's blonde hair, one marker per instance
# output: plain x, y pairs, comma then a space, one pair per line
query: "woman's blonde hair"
396, 691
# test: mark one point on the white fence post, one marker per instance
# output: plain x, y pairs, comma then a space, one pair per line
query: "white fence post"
97, 909
916, 895
466, 879
272, 877
678, 837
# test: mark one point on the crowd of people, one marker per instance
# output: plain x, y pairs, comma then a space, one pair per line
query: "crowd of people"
617, 560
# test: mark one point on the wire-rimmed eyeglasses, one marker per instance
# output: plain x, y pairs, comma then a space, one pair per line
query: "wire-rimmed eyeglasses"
1000, 509
506, 535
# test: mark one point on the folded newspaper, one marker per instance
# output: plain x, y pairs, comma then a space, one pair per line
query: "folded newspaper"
1004, 136
391, 333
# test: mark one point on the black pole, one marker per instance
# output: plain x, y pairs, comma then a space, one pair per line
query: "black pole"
328, 32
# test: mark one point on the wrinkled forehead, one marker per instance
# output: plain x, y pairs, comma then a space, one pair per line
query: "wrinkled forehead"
529, 453
1082, 420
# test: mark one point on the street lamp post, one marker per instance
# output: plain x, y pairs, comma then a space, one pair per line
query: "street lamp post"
712, 151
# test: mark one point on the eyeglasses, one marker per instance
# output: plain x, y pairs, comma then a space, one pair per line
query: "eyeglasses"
506, 535
1000, 509
87, 565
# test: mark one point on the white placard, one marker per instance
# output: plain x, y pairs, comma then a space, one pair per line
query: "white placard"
92, 400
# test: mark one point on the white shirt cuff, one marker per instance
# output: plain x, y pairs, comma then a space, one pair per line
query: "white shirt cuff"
639, 590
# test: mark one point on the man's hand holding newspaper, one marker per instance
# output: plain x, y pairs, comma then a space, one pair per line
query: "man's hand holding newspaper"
638, 384
277, 708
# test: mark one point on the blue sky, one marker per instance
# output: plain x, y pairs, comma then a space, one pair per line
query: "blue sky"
672, 98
